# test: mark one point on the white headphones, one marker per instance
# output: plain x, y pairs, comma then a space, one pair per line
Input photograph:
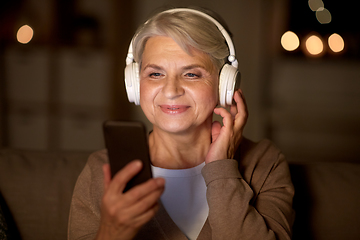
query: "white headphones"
229, 74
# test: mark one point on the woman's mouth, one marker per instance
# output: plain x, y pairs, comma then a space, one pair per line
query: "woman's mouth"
174, 109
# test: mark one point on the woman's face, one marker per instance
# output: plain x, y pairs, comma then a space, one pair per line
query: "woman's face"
178, 92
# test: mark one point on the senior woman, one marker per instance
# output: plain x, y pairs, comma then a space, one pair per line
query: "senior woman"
209, 181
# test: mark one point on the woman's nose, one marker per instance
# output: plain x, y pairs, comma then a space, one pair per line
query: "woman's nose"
172, 88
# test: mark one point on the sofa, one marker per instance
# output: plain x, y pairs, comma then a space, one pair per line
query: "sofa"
36, 189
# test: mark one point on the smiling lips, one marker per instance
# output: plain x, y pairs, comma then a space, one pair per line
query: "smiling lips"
174, 109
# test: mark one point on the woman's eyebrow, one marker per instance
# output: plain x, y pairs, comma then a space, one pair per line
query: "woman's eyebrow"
154, 66
192, 66
187, 67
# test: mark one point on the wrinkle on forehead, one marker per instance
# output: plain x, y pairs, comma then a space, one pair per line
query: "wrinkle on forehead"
170, 49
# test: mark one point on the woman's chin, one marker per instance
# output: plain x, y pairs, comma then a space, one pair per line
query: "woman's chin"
175, 127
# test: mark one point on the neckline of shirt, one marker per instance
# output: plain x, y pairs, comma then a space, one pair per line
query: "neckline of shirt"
188, 172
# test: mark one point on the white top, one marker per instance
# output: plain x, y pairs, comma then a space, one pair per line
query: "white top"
184, 198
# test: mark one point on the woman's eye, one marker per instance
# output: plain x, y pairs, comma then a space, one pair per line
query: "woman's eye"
191, 75
155, 75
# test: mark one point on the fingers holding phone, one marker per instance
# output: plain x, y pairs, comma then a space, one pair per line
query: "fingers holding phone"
129, 171
130, 193
123, 213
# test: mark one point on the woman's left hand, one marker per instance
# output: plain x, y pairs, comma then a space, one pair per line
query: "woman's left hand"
227, 138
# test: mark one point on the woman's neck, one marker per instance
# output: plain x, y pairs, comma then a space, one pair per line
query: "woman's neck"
179, 151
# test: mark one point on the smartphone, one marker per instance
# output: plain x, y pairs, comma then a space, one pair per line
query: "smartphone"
126, 141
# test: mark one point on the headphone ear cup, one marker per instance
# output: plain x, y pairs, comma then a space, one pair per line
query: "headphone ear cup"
132, 82
229, 78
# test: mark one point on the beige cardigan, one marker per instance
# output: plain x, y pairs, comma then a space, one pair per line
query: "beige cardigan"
249, 198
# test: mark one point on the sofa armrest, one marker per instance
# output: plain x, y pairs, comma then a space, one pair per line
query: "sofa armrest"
37, 188
326, 201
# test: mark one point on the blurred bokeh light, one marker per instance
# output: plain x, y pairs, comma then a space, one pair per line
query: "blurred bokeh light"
290, 41
336, 43
323, 16
24, 34
315, 4
314, 45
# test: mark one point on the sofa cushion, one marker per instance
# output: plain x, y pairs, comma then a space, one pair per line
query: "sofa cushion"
37, 189
326, 201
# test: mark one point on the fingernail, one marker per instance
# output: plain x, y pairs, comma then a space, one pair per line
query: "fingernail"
160, 181
137, 163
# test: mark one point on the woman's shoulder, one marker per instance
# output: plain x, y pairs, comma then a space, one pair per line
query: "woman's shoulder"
249, 147
251, 152
259, 160
98, 158
92, 171
90, 181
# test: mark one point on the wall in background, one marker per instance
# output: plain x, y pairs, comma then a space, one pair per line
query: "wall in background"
315, 111
57, 90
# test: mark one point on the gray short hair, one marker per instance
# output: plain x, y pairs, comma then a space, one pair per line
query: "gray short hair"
187, 29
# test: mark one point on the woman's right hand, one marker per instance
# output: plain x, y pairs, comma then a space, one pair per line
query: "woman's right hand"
227, 138
123, 214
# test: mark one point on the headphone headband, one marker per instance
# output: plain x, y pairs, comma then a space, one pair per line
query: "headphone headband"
231, 57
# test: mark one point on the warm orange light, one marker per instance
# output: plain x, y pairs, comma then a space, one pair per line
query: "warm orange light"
314, 45
336, 43
290, 41
25, 34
